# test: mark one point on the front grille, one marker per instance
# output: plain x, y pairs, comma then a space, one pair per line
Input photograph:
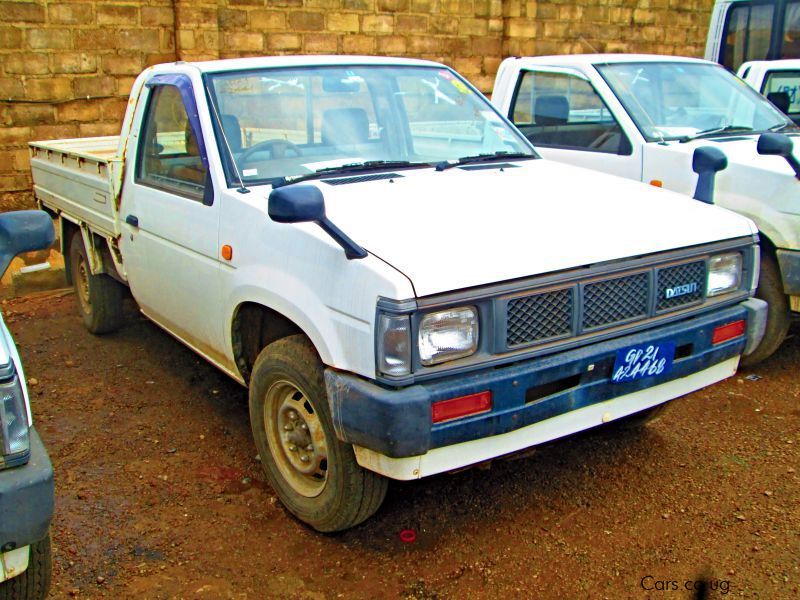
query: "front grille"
540, 317
680, 285
589, 307
613, 301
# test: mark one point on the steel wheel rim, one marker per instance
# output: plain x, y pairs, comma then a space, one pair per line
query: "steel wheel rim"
296, 438
82, 277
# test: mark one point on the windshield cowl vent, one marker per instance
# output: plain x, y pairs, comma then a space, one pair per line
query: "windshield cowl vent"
362, 178
491, 166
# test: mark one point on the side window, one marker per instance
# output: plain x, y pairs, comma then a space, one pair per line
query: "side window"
790, 47
565, 111
169, 156
748, 29
782, 88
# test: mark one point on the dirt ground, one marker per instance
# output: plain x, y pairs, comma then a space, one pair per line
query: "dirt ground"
159, 492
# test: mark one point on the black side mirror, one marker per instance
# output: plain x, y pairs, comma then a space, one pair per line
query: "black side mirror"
777, 144
23, 231
305, 204
707, 162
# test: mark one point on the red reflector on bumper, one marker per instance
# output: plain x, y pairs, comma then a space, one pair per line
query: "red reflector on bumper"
723, 333
455, 408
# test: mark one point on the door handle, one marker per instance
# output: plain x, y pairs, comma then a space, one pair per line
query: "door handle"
132, 220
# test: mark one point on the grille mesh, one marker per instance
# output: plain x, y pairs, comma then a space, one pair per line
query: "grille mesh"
690, 276
539, 317
615, 300
602, 304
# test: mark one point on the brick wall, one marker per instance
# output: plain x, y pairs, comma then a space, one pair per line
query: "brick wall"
66, 66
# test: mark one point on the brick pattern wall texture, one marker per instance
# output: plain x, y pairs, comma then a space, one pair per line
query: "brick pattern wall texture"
66, 66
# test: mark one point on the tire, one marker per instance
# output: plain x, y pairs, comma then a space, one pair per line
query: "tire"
34, 582
641, 419
770, 289
315, 475
99, 297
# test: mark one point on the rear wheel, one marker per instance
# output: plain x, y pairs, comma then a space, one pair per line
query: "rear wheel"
770, 289
99, 296
34, 582
315, 475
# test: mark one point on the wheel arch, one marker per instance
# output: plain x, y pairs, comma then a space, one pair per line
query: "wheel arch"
254, 324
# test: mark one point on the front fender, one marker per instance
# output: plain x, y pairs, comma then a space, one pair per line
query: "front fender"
295, 301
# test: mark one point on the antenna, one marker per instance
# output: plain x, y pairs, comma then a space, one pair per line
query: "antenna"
241, 189
588, 44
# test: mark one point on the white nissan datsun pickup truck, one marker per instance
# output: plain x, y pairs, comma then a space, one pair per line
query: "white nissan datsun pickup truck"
672, 122
26, 475
403, 284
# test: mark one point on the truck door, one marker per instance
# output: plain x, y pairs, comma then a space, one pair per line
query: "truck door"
562, 114
171, 216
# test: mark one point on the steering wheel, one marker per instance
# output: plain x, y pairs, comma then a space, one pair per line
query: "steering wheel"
276, 148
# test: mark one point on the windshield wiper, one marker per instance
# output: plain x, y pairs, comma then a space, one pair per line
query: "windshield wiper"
714, 131
369, 165
780, 126
479, 158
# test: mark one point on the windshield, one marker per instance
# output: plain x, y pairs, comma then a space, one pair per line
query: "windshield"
291, 122
673, 100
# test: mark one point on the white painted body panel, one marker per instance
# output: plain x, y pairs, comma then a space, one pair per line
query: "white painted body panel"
461, 455
755, 72
763, 188
716, 27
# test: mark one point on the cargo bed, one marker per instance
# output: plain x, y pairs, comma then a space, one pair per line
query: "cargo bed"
81, 177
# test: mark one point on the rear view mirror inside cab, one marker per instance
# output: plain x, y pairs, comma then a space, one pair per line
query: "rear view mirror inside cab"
341, 82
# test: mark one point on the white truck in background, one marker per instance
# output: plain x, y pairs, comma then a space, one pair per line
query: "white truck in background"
664, 120
749, 30
778, 81
403, 284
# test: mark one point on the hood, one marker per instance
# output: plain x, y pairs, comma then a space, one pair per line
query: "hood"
460, 228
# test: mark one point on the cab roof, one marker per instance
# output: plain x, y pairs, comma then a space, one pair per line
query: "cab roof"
264, 62
595, 59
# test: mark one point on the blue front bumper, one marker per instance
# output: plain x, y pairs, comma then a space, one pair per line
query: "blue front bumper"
397, 422
26, 499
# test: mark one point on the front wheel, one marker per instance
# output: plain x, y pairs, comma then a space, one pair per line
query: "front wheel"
770, 289
315, 475
34, 582
640, 419
99, 296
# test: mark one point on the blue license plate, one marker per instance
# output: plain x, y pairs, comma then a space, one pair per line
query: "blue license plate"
647, 360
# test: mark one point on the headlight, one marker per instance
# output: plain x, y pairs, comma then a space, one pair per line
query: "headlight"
394, 345
724, 274
14, 436
448, 334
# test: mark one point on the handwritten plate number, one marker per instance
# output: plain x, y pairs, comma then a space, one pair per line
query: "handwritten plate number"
648, 360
